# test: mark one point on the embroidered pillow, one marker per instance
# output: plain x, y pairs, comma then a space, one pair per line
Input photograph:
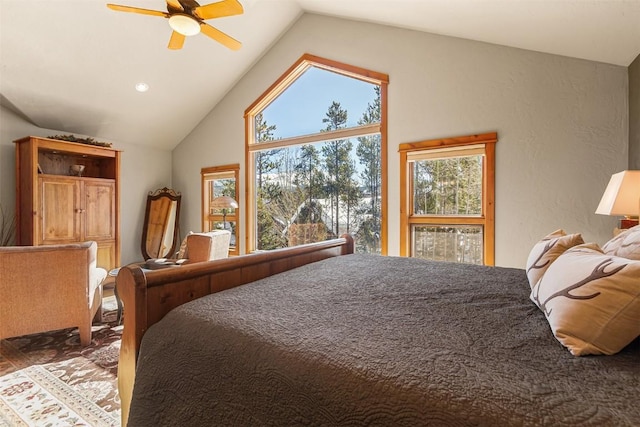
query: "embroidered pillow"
625, 244
546, 251
591, 300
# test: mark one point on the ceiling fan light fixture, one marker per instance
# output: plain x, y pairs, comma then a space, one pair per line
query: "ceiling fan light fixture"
184, 24
142, 87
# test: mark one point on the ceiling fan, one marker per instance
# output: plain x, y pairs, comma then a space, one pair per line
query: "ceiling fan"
186, 18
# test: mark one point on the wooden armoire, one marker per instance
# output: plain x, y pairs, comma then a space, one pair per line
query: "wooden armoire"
54, 205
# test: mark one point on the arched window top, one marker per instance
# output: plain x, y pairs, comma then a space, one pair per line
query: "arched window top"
303, 64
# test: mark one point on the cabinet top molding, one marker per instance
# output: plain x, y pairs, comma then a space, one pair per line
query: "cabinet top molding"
58, 144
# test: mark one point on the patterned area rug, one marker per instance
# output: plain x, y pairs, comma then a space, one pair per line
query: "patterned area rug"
50, 380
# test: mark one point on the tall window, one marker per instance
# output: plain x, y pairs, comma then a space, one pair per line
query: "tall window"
220, 181
316, 157
447, 199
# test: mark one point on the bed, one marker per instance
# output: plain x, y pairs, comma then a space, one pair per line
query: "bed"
317, 335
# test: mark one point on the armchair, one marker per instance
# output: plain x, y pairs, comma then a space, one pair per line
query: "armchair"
44, 288
207, 246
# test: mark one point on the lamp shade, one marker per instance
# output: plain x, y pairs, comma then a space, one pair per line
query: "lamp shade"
223, 202
622, 195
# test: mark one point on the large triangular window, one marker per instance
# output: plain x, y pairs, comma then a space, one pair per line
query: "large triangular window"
316, 158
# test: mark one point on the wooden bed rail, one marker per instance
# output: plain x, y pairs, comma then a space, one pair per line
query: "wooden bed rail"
148, 295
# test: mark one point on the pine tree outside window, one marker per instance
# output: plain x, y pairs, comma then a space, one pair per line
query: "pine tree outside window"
316, 166
447, 199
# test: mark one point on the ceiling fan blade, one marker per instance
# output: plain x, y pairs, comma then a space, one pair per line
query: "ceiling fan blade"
175, 5
176, 41
219, 36
120, 8
219, 9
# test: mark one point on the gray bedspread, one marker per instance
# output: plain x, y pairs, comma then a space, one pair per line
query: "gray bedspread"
371, 340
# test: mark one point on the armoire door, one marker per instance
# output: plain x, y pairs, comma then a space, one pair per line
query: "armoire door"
99, 210
59, 212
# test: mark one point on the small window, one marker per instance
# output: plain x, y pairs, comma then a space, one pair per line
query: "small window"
447, 199
220, 184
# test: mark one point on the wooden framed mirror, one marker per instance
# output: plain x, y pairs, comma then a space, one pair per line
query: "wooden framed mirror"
160, 228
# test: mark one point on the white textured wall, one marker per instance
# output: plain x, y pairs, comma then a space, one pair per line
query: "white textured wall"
142, 169
634, 114
562, 123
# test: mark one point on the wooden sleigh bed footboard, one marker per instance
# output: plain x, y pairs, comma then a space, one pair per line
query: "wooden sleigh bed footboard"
148, 295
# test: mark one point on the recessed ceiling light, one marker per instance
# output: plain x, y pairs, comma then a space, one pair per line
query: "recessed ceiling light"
142, 87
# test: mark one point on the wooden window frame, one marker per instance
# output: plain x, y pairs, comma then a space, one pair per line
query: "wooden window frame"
206, 175
305, 62
487, 217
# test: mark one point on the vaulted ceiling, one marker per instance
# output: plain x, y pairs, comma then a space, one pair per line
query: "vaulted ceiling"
71, 65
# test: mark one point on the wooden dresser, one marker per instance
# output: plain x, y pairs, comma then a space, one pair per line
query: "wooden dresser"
54, 206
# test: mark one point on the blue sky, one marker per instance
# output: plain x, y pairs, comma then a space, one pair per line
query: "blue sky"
301, 108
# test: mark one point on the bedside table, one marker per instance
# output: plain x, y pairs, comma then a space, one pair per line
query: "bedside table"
110, 282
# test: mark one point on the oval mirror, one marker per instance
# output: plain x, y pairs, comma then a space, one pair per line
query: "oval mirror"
160, 228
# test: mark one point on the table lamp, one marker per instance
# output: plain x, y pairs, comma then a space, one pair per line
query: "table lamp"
622, 197
223, 203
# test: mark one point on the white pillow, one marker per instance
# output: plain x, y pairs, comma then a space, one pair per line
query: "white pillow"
546, 251
625, 244
591, 300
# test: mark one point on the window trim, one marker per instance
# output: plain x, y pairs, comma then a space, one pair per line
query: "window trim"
233, 170
305, 62
487, 218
